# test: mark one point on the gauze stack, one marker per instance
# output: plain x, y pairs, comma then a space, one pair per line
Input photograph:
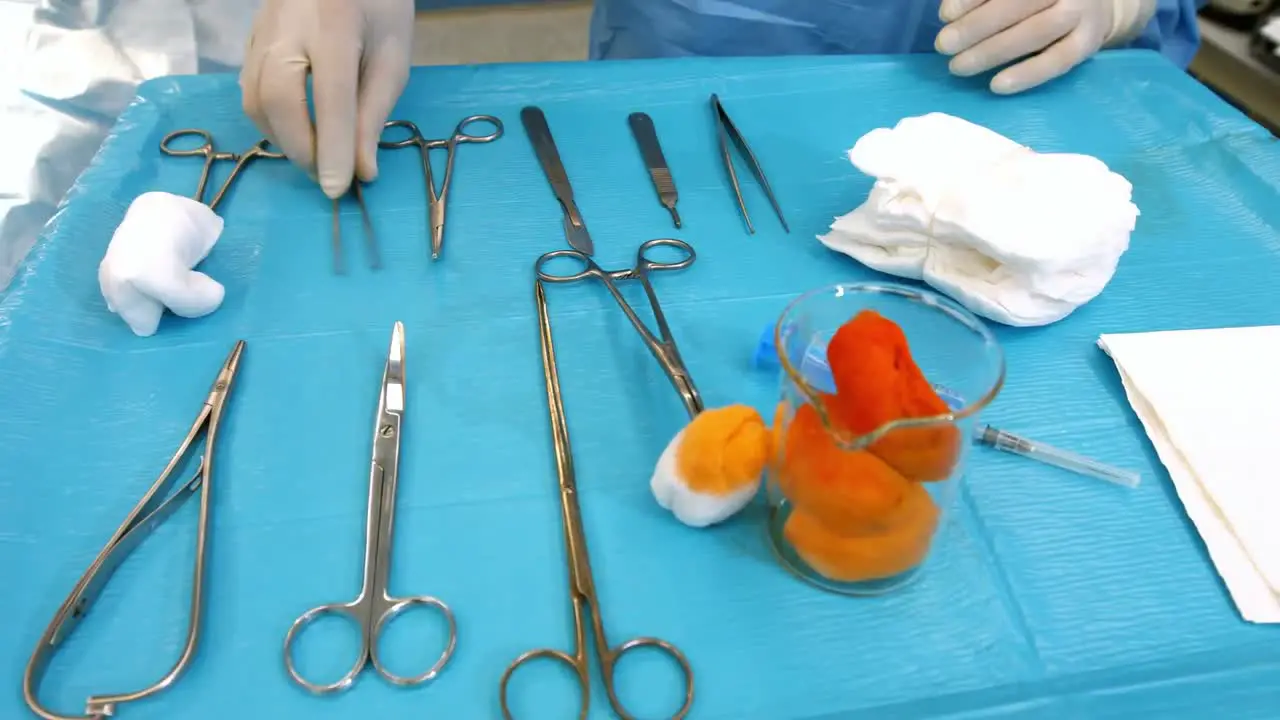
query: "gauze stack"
148, 264
1016, 236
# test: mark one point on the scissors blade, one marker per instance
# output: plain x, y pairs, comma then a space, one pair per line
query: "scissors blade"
393, 375
578, 237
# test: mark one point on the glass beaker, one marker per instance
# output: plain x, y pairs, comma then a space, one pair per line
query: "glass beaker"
859, 512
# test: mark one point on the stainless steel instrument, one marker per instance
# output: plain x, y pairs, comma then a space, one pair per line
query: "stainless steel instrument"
544, 146
646, 136
437, 201
728, 133
374, 607
582, 587
157, 505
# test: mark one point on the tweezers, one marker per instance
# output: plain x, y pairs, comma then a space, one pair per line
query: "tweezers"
371, 240
726, 131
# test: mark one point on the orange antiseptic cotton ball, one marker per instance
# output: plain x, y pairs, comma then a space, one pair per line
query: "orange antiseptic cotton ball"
877, 381
854, 490
859, 558
866, 358
712, 468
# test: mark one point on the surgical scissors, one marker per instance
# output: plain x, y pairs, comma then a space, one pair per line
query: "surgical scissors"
438, 200
663, 346
156, 506
582, 588
211, 156
374, 607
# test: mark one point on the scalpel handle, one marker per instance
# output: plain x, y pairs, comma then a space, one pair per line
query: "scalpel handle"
544, 146
646, 136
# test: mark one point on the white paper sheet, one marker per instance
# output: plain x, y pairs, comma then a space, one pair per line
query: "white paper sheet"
1210, 402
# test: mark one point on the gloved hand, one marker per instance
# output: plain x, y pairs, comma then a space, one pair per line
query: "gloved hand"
1058, 34
357, 53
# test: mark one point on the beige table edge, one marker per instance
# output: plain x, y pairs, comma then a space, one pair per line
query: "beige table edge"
1225, 64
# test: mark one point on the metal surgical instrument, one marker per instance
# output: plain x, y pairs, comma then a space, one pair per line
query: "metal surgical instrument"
663, 345
646, 135
437, 201
727, 132
211, 156
582, 589
156, 506
544, 146
374, 607
370, 239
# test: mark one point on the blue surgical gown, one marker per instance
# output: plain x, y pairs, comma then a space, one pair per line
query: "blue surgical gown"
623, 29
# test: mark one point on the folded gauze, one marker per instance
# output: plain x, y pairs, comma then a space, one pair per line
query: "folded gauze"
148, 264
1016, 236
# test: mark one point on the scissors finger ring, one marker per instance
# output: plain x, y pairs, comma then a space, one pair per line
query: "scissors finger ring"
399, 606
347, 611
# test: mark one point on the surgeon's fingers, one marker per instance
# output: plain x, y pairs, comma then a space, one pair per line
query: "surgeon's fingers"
984, 21
385, 74
952, 10
282, 93
1056, 60
335, 67
1029, 36
250, 98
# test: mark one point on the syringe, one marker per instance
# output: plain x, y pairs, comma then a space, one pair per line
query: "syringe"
1008, 442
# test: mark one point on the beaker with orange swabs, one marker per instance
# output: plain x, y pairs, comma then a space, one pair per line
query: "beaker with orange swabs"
868, 444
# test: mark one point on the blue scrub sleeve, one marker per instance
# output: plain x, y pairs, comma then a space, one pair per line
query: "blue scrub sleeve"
1173, 31
622, 29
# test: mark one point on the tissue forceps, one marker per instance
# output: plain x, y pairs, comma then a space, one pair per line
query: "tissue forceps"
727, 132
370, 239
156, 506
437, 201
582, 588
211, 155
663, 345
374, 607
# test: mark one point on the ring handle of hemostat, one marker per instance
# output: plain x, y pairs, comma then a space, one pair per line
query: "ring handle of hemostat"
384, 611
589, 268
204, 149
415, 135
460, 133
664, 347
646, 263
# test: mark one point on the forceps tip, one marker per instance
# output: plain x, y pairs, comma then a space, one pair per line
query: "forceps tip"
233, 359
675, 216
437, 243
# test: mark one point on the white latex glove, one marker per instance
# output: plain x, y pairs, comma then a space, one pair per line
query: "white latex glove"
1057, 34
357, 53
